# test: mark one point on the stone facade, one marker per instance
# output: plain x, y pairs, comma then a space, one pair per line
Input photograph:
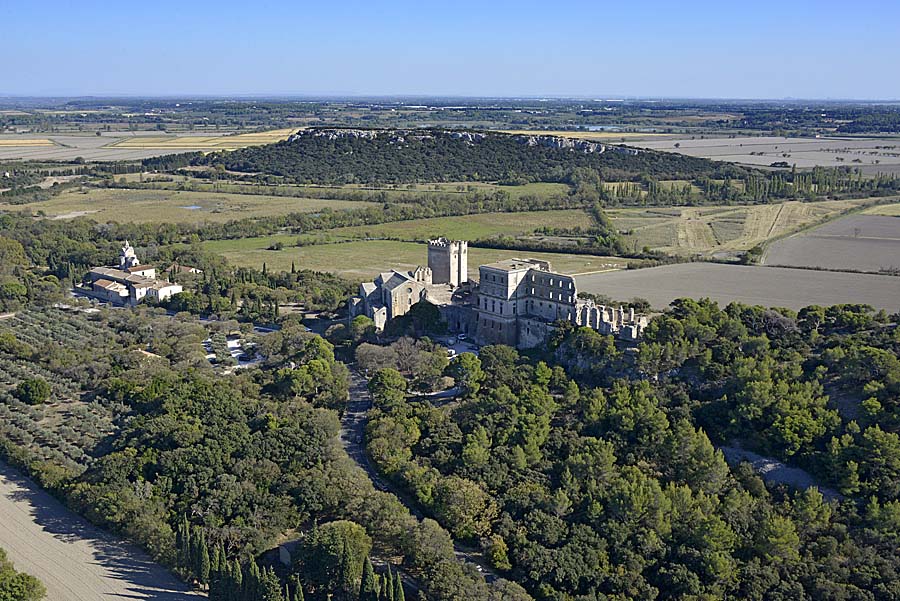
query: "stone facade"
393, 293
390, 295
518, 301
449, 261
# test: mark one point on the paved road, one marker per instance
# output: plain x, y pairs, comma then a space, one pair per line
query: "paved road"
75, 560
353, 428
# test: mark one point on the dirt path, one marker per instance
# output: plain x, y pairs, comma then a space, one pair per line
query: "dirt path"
353, 427
75, 560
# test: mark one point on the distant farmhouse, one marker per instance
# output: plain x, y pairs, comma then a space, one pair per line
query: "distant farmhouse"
515, 302
130, 282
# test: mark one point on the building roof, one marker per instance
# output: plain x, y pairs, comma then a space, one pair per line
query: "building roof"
131, 279
513, 264
397, 279
108, 285
140, 268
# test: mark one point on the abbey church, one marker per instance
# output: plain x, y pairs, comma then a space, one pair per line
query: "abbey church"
515, 301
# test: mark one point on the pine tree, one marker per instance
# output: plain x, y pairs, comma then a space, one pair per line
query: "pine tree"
368, 586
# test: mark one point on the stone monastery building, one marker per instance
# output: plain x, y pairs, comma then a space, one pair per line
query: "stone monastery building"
515, 302
129, 282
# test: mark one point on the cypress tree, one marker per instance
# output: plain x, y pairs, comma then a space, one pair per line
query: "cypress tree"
387, 587
252, 582
398, 588
215, 573
368, 585
235, 592
204, 565
298, 590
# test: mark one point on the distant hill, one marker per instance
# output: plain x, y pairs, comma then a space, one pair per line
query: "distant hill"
336, 156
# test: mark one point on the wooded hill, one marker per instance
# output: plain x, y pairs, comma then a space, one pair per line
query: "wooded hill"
340, 156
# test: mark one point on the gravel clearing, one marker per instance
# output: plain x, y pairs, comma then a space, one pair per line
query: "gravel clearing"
75, 560
772, 470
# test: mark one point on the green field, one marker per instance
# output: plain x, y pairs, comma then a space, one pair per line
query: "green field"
172, 206
470, 227
364, 259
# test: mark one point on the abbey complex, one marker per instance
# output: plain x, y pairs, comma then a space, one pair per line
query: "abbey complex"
515, 301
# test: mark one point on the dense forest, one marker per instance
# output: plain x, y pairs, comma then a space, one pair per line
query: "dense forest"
589, 473
399, 156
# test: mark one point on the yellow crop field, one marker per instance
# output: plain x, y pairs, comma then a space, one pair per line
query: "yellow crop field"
7, 143
206, 143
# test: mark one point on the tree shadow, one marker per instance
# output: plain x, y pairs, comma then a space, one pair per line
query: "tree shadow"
140, 576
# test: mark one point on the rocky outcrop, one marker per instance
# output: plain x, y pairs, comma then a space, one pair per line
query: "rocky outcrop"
402, 136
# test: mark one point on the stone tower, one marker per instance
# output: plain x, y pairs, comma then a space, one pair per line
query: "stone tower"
127, 258
449, 261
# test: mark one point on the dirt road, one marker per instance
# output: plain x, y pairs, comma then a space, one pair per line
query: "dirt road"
353, 428
75, 560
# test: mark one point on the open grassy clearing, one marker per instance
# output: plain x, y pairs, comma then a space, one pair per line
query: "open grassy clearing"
707, 230
470, 227
400, 193
892, 210
205, 142
171, 206
534, 188
364, 259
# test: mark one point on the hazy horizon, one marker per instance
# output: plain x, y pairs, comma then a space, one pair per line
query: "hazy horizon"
584, 50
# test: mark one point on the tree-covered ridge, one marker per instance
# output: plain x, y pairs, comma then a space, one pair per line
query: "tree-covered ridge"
594, 476
405, 156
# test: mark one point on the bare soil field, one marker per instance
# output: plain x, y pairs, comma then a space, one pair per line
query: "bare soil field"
856, 242
75, 560
124, 146
873, 153
173, 206
767, 286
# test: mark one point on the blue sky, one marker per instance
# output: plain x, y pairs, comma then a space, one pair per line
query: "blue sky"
673, 48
